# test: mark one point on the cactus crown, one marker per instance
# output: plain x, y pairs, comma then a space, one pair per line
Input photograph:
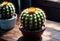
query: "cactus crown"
31, 10
6, 10
32, 19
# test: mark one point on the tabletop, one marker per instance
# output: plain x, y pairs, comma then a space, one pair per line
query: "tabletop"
52, 32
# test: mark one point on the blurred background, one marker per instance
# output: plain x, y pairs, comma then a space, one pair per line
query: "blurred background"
51, 7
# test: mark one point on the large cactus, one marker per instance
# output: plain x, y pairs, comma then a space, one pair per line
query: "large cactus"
32, 19
6, 10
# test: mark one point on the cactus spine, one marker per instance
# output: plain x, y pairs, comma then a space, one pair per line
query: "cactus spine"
32, 19
6, 10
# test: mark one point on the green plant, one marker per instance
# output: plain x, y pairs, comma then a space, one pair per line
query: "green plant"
6, 10
32, 19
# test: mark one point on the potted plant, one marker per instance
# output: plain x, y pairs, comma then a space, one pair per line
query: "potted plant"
32, 22
7, 15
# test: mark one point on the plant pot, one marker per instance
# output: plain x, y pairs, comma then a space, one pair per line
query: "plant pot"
32, 34
7, 24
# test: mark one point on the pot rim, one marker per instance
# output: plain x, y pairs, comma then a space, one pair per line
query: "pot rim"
14, 17
43, 28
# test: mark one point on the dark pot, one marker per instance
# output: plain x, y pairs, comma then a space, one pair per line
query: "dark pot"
32, 34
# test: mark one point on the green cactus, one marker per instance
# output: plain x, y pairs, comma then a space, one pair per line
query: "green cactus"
6, 10
33, 20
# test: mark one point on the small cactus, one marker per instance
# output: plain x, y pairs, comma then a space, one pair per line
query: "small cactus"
32, 19
6, 10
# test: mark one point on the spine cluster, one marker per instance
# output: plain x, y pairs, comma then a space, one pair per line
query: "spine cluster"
7, 10
34, 21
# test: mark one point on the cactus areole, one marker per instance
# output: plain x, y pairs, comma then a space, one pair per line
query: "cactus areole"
7, 10
32, 19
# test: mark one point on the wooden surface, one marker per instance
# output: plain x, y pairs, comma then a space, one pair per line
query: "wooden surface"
52, 32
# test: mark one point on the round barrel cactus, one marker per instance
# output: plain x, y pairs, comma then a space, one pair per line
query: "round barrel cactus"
7, 10
32, 19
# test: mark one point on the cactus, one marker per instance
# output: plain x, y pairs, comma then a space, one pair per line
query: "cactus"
6, 10
32, 19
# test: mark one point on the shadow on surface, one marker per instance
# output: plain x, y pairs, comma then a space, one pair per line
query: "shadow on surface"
29, 39
2, 39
